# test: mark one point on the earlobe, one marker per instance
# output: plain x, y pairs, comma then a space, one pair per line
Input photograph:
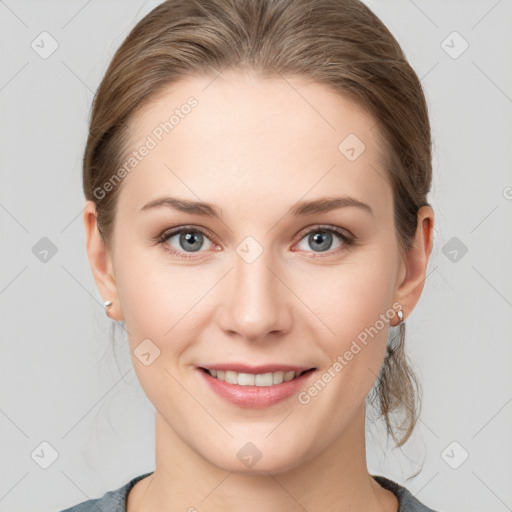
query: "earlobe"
100, 261
416, 261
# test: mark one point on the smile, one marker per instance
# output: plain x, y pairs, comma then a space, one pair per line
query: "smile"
259, 379
255, 390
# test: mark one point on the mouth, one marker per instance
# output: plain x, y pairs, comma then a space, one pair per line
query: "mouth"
255, 387
264, 379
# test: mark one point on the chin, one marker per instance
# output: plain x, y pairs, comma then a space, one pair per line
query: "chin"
249, 460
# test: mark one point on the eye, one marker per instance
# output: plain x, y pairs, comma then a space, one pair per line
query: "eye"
321, 239
184, 240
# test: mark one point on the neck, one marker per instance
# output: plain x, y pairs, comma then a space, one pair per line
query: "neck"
334, 479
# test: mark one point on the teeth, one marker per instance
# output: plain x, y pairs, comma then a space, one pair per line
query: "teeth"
249, 379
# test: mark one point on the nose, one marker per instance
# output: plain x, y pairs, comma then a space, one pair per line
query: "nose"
258, 303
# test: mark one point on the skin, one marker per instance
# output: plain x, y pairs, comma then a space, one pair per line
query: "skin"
253, 147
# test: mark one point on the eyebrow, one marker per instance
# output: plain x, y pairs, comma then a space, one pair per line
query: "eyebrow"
326, 204
301, 208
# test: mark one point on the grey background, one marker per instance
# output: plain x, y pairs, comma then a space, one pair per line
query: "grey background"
61, 383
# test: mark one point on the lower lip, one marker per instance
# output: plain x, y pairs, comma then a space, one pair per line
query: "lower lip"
256, 397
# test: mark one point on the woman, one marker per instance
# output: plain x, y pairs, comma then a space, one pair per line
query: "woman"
256, 180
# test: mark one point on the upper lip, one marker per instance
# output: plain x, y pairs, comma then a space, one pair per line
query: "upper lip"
265, 368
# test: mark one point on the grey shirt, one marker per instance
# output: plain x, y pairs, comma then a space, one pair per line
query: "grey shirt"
115, 501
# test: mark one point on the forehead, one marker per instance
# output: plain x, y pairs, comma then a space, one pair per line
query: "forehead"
239, 137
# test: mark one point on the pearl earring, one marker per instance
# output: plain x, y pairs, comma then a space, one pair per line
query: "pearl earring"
107, 304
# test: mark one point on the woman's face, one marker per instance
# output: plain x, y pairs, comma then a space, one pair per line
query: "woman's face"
266, 281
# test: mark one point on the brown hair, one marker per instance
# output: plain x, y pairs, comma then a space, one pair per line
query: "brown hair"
340, 43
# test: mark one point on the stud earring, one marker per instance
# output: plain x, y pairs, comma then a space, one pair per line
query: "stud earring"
107, 304
400, 315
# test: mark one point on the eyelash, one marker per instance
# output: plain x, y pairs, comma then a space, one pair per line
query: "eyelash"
347, 239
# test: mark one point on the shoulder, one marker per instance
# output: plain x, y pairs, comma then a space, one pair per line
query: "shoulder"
407, 502
112, 501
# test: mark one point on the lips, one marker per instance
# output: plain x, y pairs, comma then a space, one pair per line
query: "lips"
250, 388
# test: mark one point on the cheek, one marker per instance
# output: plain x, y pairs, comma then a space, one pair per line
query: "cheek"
160, 300
350, 298
153, 303
353, 309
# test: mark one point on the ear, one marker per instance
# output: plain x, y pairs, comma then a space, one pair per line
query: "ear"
100, 260
415, 262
